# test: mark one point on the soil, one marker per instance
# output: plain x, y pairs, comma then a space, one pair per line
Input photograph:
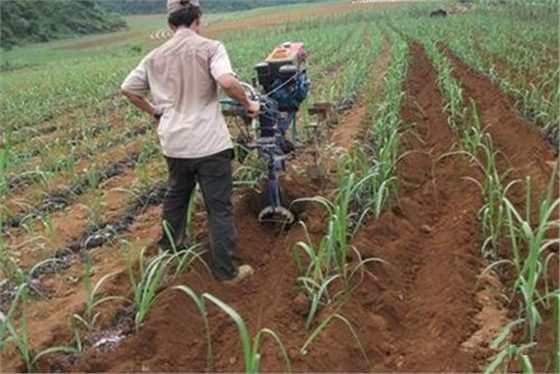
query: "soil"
420, 312
423, 309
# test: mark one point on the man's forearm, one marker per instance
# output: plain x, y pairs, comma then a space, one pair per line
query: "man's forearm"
141, 102
236, 92
234, 89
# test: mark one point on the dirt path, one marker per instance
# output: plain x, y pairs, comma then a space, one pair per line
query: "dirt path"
344, 136
425, 298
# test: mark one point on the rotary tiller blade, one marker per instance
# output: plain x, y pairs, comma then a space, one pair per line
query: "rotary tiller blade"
277, 215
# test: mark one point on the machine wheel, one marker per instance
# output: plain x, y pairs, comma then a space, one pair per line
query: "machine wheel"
282, 217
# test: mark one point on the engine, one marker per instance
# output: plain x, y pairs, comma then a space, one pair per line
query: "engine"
283, 77
283, 85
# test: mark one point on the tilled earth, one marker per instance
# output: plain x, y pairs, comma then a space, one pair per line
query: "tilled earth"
424, 310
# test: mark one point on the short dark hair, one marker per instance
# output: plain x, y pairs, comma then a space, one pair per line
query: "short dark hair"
184, 16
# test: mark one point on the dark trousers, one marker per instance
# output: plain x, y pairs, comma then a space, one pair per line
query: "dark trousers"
214, 174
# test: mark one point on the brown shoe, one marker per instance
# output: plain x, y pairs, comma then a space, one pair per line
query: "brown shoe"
243, 272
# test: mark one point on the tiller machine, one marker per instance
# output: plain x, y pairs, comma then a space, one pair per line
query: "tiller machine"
280, 86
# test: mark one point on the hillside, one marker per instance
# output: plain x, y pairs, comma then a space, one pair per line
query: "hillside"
40, 21
208, 6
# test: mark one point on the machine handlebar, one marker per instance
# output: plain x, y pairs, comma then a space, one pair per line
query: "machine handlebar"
251, 93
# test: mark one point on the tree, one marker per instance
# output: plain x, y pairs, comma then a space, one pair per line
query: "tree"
24, 21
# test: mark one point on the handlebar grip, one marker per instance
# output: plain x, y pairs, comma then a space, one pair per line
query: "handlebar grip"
229, 101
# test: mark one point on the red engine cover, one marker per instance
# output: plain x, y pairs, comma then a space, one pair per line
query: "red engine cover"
293, 53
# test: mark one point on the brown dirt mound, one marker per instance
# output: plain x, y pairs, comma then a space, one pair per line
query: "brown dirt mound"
430, 238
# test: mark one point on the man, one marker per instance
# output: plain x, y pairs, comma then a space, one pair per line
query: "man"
183, 76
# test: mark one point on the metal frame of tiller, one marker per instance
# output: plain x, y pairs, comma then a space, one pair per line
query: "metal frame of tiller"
267, 135
282, 86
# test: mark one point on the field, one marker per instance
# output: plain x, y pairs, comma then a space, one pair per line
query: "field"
431, 245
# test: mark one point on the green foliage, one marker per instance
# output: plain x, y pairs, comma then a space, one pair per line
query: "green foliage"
40, 21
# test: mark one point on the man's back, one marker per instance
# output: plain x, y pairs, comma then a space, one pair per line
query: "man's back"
181, 76
179, 72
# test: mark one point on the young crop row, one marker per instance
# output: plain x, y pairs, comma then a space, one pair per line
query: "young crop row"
502, 220
102, 223
67, 158
484, 40
365, 182
77, 133
72, 179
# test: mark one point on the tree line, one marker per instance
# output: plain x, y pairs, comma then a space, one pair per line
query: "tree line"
208, 6
23, 21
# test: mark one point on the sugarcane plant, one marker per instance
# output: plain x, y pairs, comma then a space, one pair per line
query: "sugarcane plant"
20, 336
251, 346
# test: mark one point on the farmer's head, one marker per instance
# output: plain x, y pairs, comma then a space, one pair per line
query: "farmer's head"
184, 13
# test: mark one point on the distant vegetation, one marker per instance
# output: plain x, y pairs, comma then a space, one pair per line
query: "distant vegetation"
24, 21
208, 6
40, 21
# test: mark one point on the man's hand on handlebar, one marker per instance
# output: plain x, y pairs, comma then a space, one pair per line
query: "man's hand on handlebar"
253, 108
237, 91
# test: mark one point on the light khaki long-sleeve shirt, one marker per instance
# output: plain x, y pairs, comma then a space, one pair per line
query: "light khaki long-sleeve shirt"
181, 75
